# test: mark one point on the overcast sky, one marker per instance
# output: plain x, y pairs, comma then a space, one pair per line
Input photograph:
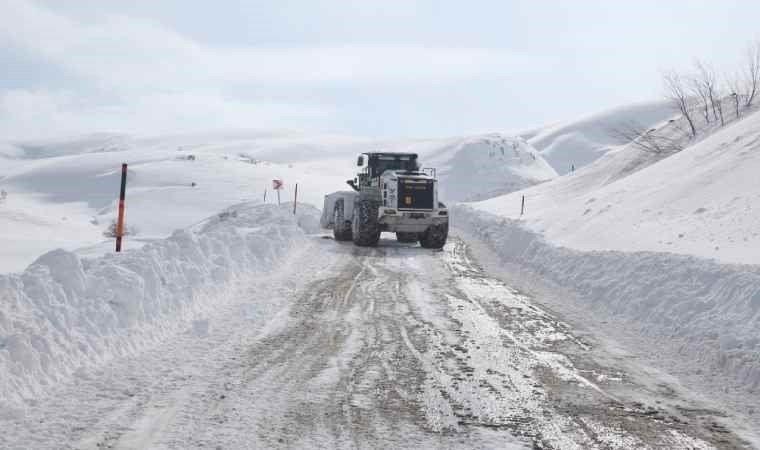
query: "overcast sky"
374, 68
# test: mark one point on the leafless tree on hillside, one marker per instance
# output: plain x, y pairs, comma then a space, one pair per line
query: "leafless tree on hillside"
719, 106
678, 96
650, 140
697, 89
752, 72
709, 89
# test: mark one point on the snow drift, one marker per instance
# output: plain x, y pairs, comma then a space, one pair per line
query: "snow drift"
66, 313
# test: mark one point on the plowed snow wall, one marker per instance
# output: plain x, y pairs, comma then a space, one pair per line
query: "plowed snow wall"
702, 314
64, 313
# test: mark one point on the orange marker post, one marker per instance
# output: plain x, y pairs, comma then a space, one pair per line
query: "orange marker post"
122, 194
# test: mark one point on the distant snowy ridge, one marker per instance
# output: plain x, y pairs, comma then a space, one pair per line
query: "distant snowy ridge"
64, 313
703, 317
481, 167
580, 142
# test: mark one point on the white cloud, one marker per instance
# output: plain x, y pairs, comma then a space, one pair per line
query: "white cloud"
142, 77
129, 52
43, 113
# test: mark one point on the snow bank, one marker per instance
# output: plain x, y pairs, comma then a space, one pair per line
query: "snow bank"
63, 313
704, 317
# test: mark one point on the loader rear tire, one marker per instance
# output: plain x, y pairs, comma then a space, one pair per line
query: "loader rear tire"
435, 236
365, 227
341, 226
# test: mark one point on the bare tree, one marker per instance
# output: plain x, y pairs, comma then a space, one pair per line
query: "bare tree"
697, 89
719, 106
710, 89
650, 140
677, 95
752, 72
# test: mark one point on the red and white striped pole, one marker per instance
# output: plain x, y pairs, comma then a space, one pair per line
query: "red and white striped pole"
122, 194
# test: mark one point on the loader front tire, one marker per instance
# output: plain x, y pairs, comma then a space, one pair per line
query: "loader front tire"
365, 227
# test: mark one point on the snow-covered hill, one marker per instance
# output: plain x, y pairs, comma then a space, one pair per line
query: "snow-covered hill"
703, 201
580, 142
68, 200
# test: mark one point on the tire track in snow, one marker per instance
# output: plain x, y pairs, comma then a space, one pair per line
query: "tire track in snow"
567, 410
394, 347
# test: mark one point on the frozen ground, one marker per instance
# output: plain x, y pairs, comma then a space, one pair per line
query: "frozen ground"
393, 347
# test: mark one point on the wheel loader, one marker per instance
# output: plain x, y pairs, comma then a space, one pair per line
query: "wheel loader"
392, 194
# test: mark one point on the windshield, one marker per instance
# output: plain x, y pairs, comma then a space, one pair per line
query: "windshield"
381, 163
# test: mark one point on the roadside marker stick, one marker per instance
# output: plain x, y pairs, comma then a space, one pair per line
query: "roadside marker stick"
265, 195
122, 194
295, 200
522, 207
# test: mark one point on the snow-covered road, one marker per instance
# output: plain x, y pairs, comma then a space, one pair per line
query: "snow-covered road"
394, 347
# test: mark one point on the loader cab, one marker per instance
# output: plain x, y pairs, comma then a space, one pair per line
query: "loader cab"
377, 163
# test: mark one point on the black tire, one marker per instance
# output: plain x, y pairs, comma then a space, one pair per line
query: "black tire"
365, 228
435, 236
407, 237
341, 226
